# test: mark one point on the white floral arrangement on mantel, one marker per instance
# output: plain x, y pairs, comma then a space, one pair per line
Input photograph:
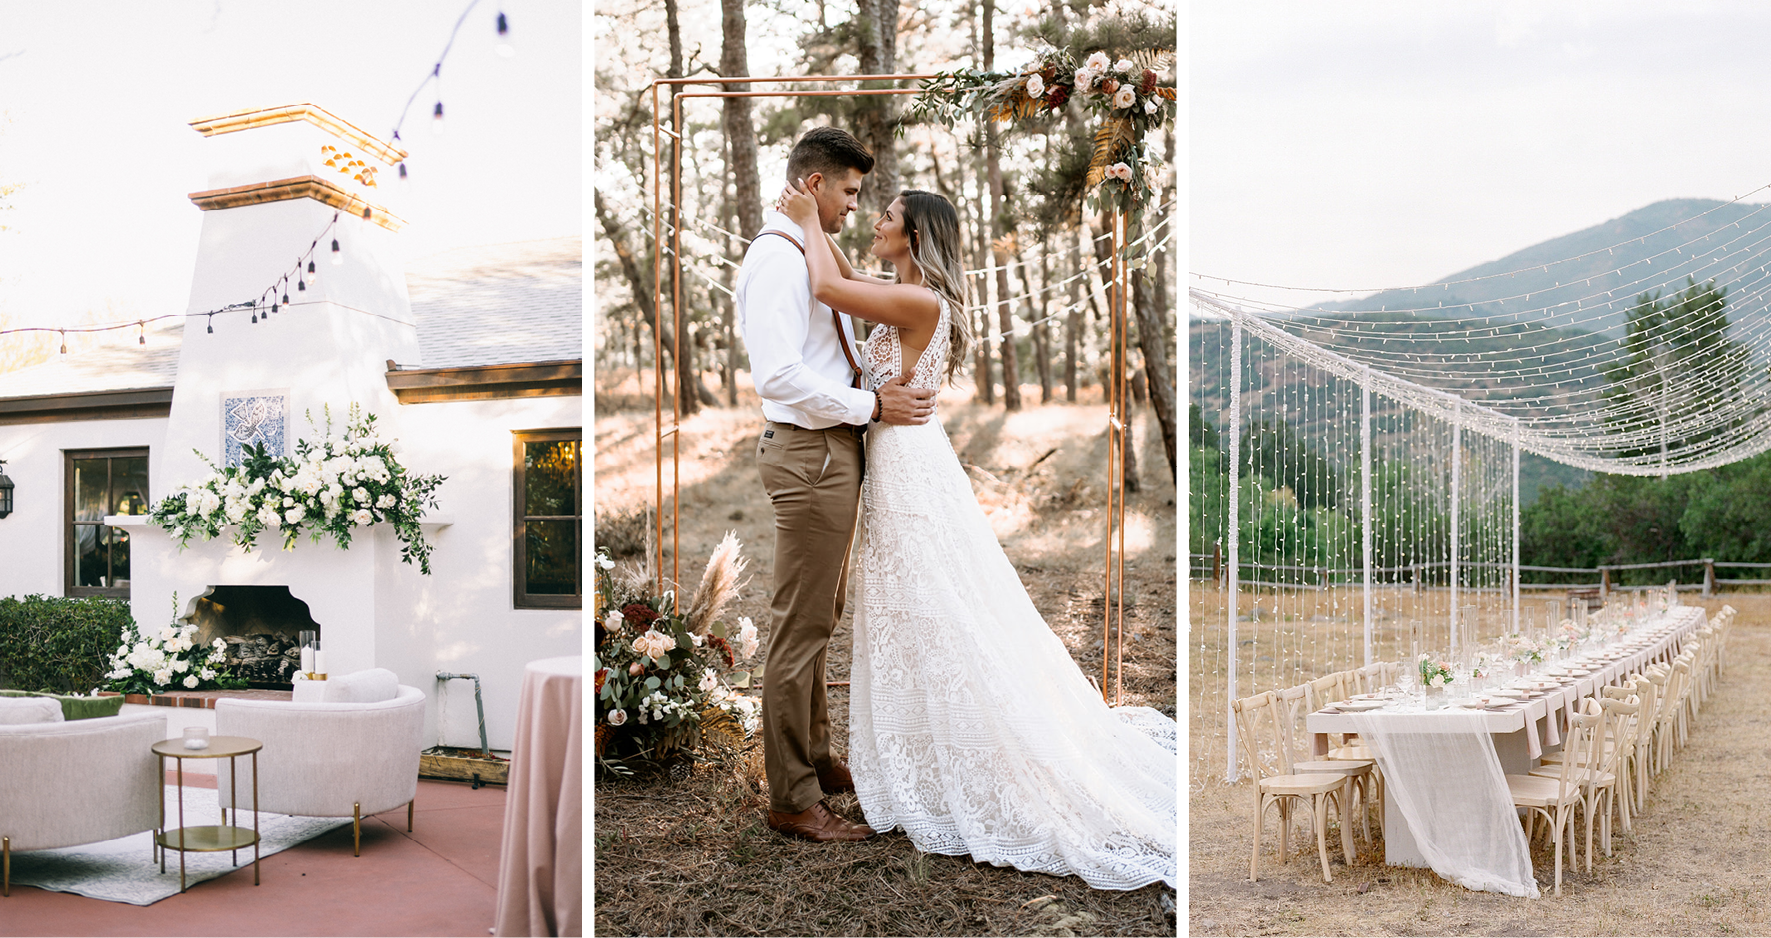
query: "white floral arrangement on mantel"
329, 487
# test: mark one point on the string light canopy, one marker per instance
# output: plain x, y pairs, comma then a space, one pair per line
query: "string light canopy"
1647, 356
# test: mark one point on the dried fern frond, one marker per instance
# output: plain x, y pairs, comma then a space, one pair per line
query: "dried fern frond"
719, 584
1156, 60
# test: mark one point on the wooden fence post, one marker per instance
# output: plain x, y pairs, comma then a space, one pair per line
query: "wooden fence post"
1604, 584
1709, 577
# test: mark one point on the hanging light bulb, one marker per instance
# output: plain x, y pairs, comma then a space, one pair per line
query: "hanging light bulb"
255, 314
273, 305
285, 291
504, 47
436, 119
312, 274
402, 169
64, 342
300, 286
142, 335
337, 255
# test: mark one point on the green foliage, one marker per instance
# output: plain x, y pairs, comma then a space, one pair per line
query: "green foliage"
1676, 363
1272, 449
58, 645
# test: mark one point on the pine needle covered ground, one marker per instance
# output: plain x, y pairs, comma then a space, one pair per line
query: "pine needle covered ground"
696, 858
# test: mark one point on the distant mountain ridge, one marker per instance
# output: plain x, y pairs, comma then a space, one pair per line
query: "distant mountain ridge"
1595, 292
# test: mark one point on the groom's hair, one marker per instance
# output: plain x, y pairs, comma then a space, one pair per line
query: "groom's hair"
827, 150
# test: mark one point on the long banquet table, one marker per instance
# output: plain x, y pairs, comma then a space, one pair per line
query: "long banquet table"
1520, 732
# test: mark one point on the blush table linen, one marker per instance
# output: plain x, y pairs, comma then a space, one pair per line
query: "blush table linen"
541, 865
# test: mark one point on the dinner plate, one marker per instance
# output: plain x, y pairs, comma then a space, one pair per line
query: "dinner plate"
1514, 693
1360, 706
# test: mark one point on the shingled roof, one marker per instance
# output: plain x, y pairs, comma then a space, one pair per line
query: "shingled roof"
499, 304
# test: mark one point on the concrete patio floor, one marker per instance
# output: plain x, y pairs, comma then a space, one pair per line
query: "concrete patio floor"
441, 879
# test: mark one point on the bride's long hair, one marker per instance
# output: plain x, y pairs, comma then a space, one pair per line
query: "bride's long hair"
932, 226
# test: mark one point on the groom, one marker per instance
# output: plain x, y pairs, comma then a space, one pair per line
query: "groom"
804, 360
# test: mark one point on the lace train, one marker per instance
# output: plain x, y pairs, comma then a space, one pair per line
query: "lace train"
970, 725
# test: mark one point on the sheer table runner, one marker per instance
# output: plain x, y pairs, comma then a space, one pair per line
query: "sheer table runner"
1441, 771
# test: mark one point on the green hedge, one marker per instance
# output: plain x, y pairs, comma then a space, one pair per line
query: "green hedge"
58, 645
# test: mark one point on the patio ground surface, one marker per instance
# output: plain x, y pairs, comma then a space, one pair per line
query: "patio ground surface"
441, 879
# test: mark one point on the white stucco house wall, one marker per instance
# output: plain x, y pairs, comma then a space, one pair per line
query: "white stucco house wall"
471, 359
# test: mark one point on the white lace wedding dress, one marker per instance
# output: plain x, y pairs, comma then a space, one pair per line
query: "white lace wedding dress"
970, 727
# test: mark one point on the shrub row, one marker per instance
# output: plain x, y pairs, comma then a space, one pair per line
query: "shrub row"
48, 643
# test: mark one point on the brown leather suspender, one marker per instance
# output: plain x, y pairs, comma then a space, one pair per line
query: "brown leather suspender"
842, 336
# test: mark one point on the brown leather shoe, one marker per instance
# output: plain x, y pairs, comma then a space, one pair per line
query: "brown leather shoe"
836, 778
818, 823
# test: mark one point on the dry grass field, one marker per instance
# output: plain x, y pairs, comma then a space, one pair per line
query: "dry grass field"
1696, 863
696, 857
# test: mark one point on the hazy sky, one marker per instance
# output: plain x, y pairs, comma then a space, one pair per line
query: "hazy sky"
1373, 144
95, 100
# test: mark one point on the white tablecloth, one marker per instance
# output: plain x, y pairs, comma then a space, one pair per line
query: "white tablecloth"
541, 865
1444, 770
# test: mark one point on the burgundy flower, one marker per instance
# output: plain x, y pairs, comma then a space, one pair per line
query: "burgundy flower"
640, 614
1148, 85
1109, 85
602, 675
1048, 73
1056, 97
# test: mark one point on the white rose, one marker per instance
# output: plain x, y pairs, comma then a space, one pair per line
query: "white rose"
168, 633
605, 563
191, 681
1085, 80
295, 514
1036, 87
1149, 105
179, 666
387, 501
362, 517
287, 501
709, 681
613, 620
208, 674
1125, 97
162, 677
617, 717
1124, 66
361, 495
1097, 62
747, 638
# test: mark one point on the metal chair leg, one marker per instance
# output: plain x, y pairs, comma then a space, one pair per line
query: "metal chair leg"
357, 829
409, 816
5, 866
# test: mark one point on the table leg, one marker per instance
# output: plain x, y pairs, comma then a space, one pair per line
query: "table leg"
1319, 745
180, 825
233, 799
255, 837
160, 786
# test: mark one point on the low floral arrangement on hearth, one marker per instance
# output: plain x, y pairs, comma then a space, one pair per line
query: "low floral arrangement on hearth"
667, 678
328, 487
168, 658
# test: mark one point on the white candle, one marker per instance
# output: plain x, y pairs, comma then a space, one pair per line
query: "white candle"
320, 661
307, 659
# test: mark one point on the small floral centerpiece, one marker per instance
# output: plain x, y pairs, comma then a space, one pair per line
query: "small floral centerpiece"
1523, 649
1483, 666
666, 679
330, 487
1435, 674
154, 661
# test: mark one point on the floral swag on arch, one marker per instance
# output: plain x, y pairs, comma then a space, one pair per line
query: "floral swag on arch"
329, 487
1124, 172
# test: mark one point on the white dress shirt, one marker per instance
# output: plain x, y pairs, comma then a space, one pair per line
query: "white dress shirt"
796, 360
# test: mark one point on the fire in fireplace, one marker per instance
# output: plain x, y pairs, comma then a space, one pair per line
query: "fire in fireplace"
259, 625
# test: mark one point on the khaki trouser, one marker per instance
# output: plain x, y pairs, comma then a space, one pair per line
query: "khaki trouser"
813, 477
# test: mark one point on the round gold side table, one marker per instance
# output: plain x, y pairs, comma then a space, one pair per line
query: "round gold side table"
208, 838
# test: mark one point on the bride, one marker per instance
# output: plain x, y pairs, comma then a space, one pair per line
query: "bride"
970, 727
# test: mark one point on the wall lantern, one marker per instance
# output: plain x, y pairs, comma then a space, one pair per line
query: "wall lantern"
5, 495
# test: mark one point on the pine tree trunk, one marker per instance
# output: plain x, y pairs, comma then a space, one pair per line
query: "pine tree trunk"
1073, 325
1004, 229
740, 130
685, 350
876, 23
1153, 342
1042, 333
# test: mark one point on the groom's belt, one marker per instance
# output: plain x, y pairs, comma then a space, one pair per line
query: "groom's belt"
855, 431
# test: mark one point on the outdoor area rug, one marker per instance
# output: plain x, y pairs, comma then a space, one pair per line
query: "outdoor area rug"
123, 870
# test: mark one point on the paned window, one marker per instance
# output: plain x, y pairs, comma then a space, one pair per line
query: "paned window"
100, 483
547, 541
